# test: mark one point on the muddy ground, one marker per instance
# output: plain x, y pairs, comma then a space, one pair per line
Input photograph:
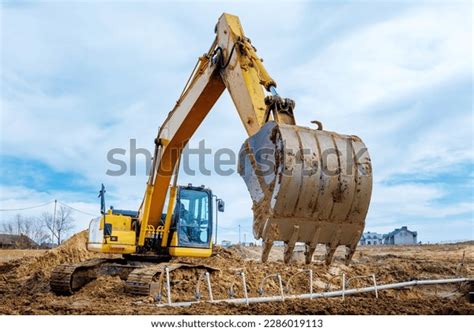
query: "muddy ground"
24, 287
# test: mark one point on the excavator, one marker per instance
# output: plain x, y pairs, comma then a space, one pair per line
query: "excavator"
307, 185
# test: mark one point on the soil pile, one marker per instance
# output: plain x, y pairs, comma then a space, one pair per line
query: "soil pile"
31, 274
72, 250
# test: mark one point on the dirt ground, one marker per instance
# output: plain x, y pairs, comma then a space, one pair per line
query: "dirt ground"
14, 254
24, 287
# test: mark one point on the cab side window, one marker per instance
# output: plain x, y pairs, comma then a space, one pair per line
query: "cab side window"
194, 223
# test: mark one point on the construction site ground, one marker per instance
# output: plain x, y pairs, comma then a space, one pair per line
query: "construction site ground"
24, 287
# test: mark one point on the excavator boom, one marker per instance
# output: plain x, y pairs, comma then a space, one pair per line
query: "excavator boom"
317, 190
230, 63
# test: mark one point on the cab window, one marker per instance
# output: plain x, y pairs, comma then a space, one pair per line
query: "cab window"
194, 218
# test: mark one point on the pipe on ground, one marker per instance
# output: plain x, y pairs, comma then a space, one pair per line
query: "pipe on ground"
327, 294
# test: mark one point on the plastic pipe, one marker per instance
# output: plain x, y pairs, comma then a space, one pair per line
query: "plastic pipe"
339, 293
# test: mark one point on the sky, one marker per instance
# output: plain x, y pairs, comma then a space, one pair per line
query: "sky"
79, 79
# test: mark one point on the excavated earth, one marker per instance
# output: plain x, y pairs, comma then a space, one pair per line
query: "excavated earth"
24, 287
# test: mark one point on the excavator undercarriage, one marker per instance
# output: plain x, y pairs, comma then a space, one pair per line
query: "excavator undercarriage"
141, 278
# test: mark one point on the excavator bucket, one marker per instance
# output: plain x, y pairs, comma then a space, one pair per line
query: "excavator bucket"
309, 186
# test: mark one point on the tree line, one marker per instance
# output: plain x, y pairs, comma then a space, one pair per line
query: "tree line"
46, 228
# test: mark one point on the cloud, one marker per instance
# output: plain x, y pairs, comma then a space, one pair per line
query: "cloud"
387, 61
81, 79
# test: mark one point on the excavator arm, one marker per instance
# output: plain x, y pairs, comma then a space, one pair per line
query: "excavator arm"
231, 63
306, 197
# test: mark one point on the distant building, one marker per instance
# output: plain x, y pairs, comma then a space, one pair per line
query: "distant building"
371, 238
226, 243
12, 241
401, 236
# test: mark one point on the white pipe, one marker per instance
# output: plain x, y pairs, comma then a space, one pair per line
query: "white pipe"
343, 286
244, 284
168, 285
208, 279
375, 287
248, 300
281, 288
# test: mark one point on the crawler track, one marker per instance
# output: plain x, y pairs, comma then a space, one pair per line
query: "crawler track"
140, 276
69, 278
143, 281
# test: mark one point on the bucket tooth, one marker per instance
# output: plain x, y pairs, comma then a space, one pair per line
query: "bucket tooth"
311, 246
269, 232
349, 253
350, 249
290, 245
330, 250
267, 246
308, 253
288, 253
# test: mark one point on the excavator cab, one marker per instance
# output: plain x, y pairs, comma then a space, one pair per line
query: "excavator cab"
192, 222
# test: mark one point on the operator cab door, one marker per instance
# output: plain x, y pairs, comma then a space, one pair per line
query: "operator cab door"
193, 217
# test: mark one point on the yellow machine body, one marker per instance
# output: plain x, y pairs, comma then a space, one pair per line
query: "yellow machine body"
120, 240
185, 230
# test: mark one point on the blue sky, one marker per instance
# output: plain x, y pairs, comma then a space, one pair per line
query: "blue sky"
80, 79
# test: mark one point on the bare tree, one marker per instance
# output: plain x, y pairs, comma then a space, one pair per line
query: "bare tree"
19, 225
18, 221
39, 227
47, 220
64, 222
33, 228
60, 225
26, 227
38, 232
8, 228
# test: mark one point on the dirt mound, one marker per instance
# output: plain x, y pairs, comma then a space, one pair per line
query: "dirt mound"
72, 250
245, 253
31, 274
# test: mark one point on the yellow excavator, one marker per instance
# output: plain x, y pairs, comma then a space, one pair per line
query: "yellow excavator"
307, 185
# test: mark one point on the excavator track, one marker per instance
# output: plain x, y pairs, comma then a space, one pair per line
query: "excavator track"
142, 281
65, 279
69, 278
